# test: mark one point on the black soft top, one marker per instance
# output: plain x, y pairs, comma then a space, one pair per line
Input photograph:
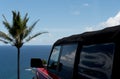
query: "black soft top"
109, 34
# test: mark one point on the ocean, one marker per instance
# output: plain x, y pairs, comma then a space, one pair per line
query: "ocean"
8, 60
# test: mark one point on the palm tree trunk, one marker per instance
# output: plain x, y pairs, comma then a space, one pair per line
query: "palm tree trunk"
18, 63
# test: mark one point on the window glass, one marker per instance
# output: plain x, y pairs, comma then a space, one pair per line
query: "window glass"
54, 58
96, 61
67, 60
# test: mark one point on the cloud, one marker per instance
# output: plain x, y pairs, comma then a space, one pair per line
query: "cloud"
76, 13
86, 4
89, 28
57, 29
112, 21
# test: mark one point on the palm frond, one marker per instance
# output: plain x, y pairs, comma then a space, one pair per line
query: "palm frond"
14, 16
29, 30
6, 23
16, 20
31, 37
25, 20
19, 20
5, 36
6, 42
18, 30
33, 25
25, 17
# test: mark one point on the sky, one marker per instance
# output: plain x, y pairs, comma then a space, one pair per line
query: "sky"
62, 18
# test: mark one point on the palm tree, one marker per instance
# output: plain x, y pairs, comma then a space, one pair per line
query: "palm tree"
18, 33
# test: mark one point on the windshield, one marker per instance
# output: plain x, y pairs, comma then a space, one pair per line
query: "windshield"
54, 57
63, 55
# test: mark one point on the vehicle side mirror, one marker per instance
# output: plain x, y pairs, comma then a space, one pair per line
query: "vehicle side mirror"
36, 63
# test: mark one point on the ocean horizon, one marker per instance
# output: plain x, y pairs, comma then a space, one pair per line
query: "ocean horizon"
8, 60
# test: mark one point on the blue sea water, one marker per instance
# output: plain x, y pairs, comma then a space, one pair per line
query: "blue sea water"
8, 60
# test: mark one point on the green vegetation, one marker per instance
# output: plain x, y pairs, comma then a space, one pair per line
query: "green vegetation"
18, 33
44, 61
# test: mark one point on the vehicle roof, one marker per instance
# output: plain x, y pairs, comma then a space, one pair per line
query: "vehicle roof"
109, 34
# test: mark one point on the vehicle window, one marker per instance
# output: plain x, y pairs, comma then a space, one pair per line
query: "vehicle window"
67, 60
53, 62
96, 61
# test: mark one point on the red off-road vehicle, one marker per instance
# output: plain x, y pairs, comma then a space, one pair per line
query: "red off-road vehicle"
90, 55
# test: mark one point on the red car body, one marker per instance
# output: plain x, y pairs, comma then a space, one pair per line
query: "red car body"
43, 73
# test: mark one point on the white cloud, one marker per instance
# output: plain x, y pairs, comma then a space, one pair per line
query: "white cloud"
61, 30
112, 21
89, 28
86, 4
76, 13
50, 35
